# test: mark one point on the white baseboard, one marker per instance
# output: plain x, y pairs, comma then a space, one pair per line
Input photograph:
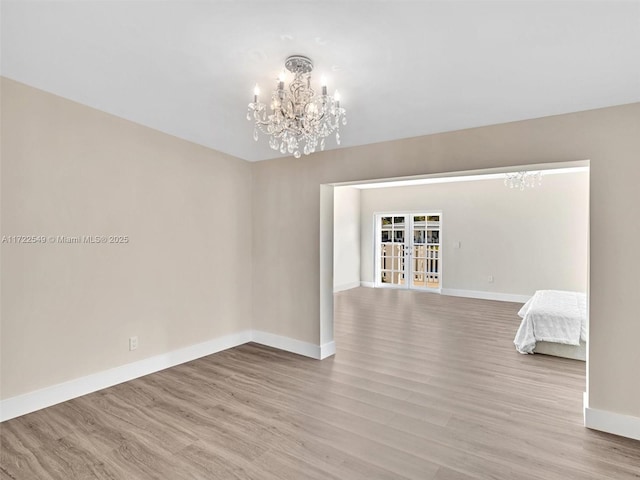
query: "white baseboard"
454, 292
345, 286
49, 396
327, 349
287, 344
610, 422
46, 397
502, 297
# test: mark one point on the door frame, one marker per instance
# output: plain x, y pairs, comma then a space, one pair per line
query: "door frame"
376, 249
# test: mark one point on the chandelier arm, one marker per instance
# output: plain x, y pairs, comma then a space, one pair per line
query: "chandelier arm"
284, 112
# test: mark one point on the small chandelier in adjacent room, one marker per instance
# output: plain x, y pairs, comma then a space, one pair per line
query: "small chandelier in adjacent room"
297, 120
522, 180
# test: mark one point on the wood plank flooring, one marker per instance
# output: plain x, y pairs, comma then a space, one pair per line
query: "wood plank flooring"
422, 386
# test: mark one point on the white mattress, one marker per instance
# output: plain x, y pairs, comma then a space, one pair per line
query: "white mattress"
554, 316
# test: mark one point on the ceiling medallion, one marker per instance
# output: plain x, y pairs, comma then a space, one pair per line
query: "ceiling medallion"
297, 120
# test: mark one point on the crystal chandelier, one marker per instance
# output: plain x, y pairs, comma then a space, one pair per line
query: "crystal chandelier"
522, 180
297, 120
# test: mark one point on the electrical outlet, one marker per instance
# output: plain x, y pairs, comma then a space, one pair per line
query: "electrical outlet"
133, 343
490, 279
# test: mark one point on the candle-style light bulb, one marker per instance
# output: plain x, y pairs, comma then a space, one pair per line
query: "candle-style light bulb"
323, 83
281, 80
336, 97
256, 92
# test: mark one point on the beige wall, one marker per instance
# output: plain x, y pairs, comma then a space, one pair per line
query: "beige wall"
67, 310
286, 196
183, 278
346, 237
527, 240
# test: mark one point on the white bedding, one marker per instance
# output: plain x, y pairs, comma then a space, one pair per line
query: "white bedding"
552, 316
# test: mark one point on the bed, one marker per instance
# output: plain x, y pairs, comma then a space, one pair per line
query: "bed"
554, 322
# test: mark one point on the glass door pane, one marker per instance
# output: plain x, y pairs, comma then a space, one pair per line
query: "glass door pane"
418, 279
432, 252
392, 251
425, 251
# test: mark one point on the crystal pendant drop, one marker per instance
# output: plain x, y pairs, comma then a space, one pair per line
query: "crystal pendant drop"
296, 154
322, 144
283, 148
338, 138
248, 115
255, 134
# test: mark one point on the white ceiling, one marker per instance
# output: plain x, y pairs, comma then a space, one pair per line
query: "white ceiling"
403, 68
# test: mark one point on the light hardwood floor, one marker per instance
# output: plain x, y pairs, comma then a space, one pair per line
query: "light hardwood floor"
422, 386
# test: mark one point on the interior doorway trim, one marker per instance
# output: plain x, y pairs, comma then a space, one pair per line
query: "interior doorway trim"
326, 233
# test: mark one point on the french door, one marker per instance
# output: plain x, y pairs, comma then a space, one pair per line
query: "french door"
408, 250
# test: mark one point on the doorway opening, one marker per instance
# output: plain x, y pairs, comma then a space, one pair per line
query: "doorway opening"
509, 248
